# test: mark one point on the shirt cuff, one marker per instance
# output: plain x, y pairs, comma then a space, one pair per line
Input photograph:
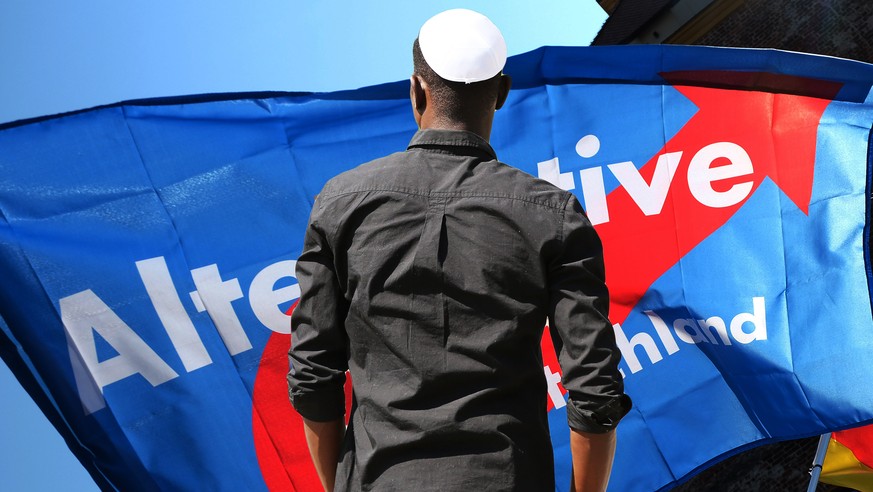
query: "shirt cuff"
600, 420
320, 406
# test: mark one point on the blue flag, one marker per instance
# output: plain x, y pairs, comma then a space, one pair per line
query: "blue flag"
148, 253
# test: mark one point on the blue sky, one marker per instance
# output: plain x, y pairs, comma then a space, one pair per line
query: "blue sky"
60, 56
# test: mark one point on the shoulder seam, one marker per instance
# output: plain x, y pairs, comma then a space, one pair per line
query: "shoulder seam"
427, 193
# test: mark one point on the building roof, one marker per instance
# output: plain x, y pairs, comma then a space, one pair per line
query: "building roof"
627, 19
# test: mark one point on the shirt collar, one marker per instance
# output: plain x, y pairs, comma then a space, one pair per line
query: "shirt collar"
463, 142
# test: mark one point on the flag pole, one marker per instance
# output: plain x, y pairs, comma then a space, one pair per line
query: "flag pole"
818, 461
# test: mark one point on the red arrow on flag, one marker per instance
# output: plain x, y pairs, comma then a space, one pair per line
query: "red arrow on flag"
774, 123
777, 132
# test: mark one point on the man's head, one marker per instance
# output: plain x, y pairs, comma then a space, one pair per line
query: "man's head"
457, 80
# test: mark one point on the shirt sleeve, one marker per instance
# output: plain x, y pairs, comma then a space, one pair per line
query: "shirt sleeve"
580, 328
318, 355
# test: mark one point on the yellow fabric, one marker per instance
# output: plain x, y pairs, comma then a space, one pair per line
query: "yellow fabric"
842, 468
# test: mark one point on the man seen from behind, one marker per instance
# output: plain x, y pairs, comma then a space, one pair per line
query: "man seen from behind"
428, 275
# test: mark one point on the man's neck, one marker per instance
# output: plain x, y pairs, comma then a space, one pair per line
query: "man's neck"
481, 128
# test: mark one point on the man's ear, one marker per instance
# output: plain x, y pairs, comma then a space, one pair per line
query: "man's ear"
417, 96
503, 90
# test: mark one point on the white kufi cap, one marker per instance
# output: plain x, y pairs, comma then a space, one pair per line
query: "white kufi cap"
462, 46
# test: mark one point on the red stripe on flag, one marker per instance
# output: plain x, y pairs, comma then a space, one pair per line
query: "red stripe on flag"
860, 441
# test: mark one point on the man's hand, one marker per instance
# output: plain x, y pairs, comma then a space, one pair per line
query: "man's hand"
592, 460
325, 441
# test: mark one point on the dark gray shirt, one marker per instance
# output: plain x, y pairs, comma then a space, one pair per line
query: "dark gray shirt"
429, 274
